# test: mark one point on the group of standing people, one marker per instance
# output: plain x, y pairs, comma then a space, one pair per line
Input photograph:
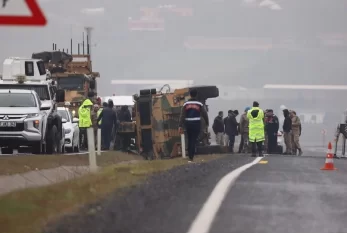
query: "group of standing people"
105, 117
257, 127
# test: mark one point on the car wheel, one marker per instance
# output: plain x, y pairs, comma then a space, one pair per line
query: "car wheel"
69, 149
77, 148
37, 148
7, 150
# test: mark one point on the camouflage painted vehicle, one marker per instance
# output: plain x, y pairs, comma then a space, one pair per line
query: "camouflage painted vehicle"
157, 118
72, 73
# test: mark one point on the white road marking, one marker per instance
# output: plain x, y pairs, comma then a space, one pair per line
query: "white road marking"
205, 217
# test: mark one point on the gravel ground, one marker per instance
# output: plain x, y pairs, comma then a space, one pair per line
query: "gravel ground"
167, 203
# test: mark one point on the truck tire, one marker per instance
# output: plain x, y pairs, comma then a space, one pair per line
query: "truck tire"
7, 150
52, 141
36, 148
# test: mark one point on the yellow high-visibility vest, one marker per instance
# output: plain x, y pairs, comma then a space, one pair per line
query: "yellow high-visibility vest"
256, 125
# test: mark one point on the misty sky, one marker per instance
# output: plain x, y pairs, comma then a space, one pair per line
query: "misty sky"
303, 36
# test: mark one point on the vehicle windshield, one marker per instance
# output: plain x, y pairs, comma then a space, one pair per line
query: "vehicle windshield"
17, 100
64, 114
41, 90
71, 83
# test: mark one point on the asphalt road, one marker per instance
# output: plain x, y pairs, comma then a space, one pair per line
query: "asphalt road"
284, 195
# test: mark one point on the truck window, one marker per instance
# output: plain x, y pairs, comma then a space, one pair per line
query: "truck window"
41, 67
71, 83
41, 90
29, 68
17, 100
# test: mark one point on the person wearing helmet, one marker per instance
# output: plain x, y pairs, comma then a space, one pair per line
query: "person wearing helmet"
244, 129
256, 129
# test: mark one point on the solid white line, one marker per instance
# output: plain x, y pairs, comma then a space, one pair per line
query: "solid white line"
205, 217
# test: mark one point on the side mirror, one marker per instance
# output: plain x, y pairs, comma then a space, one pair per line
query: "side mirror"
60, 96
63, 120
92, 84
75, 120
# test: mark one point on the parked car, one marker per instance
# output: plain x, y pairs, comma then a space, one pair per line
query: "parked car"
70, 124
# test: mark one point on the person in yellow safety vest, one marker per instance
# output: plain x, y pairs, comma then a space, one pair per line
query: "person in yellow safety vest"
256, 129
85, 121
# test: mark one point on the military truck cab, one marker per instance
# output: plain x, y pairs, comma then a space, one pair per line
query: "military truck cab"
73, 73
30, 74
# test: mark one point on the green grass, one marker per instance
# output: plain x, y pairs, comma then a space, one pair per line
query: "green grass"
20, 164
29, 210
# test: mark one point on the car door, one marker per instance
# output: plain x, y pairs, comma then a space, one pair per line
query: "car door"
75, 129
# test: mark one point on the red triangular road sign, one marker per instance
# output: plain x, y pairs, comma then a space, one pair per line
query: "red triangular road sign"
36, 18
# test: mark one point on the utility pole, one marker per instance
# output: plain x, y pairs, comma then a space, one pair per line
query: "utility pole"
89, 39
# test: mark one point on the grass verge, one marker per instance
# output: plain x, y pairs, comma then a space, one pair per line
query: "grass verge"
10, 165
29, 210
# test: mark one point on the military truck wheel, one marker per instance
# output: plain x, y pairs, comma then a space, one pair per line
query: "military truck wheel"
52, 141
206, 92
36, 148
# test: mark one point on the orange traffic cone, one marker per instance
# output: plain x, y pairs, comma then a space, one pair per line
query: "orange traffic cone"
329, 161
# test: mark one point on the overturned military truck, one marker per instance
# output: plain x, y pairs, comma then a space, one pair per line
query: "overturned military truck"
156, 120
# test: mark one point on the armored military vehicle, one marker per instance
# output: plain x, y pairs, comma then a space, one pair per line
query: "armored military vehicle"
156, 121
73, 73
30, 74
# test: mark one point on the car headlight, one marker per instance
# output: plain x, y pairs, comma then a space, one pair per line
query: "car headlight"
73, 112
36, 124
67, 131
31, 115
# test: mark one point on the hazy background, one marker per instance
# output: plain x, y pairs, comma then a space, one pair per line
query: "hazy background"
239, 45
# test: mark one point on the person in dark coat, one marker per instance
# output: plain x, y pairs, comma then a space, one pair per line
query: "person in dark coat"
124, 116
108, 121
231, 128
218, 128
271, 128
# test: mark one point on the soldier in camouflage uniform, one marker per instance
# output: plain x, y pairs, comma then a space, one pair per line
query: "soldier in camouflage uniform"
95, 125
244, 130
296, 132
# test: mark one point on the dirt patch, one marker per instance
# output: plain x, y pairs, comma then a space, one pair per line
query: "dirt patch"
31, 209
10, 165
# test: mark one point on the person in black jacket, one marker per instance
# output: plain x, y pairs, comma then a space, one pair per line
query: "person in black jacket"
191, 114
218, 128
108, 121
287, 130
125, 116
231, 128
271, 128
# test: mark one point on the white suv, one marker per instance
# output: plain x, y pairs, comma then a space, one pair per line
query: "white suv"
71, 130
